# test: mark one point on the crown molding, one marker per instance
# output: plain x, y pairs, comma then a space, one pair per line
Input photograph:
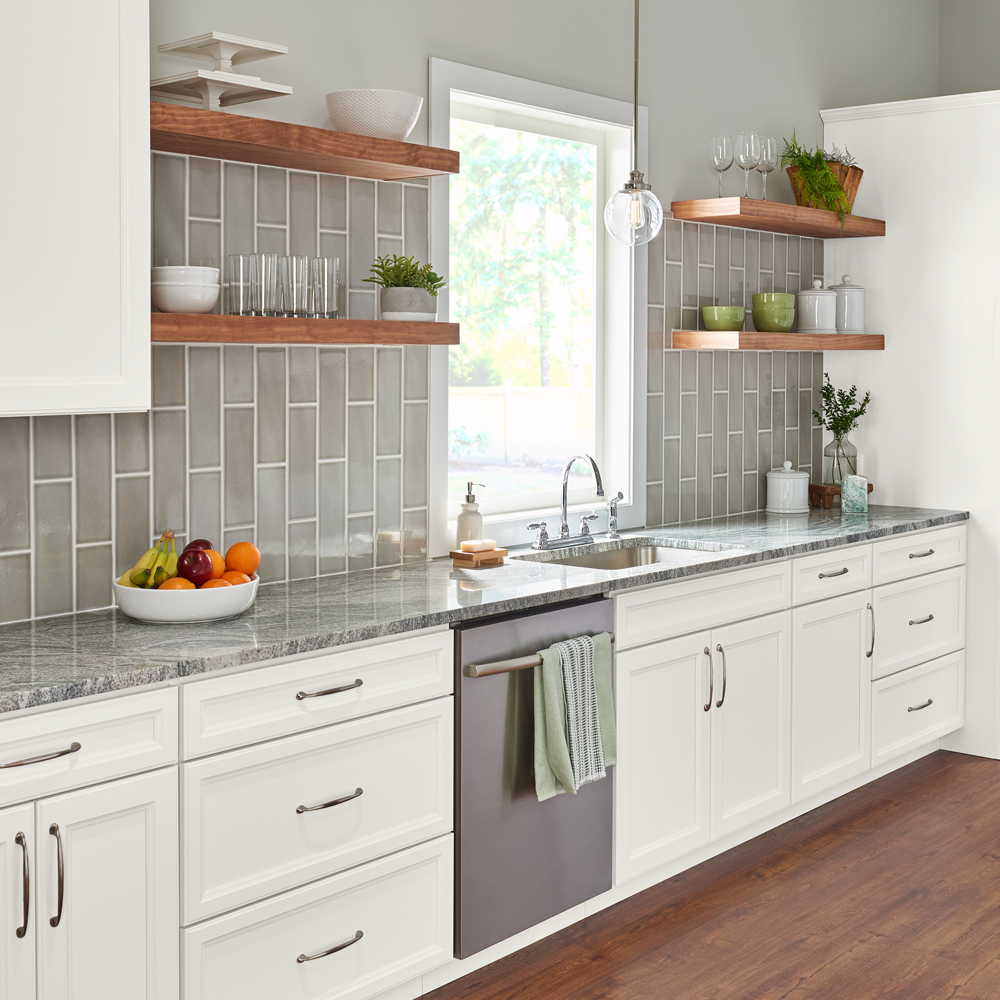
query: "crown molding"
920, 106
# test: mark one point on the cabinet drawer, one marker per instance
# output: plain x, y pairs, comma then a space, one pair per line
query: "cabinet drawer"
402, 906
912, 555
113, 738
245, 839
831, 573
917, 620
226, 712
691, 605
916, 706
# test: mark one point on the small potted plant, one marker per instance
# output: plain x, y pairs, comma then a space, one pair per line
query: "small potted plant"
409, 288
820, 179
841, 413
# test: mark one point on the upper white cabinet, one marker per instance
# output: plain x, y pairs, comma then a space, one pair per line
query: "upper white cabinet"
74, 265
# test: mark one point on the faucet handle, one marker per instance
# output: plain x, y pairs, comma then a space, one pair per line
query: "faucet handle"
542, 541
584, 527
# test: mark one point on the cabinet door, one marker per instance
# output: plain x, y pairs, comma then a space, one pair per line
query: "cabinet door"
831, 693
17, 855
74, 280
751, 738
663, 773
117, 936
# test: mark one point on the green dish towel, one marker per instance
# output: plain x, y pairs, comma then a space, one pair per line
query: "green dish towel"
553, 763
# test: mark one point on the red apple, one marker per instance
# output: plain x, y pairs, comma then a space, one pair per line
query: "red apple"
199, 543
195, 565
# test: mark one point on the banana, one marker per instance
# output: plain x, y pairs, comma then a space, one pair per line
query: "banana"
159, 566
166, 570
140, 571
124, 581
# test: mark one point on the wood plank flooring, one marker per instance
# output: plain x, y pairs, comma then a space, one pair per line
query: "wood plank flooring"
890, 891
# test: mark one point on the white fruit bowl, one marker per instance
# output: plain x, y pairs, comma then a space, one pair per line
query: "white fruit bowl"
194, 275
186, 605
381, 114
184, 297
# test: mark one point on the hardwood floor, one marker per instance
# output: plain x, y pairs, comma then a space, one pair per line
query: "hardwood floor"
890, 891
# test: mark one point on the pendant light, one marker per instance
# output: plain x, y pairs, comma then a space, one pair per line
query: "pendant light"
634, 214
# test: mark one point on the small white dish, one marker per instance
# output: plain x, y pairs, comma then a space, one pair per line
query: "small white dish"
184, 297
195, 275
381, 114
167, 606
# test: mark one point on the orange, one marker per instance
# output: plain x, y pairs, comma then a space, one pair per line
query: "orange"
176, 583
218, 563
244, 557
209, 584
235, 577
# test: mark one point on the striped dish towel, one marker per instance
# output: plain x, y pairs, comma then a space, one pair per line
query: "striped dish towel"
583, 725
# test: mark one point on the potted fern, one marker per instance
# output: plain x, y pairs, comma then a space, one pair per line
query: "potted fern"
820, 179
409, 288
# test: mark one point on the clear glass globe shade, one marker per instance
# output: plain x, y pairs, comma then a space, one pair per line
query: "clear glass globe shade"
633, 217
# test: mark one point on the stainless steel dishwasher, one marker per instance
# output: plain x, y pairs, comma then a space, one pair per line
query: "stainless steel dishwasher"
518, 860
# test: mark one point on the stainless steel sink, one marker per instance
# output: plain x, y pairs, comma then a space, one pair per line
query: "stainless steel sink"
631, 552
638, 555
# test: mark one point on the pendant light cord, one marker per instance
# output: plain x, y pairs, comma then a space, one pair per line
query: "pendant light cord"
635, 96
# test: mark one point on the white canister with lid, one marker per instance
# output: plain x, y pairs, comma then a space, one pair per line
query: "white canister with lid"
787, 491
817, 309
850, 306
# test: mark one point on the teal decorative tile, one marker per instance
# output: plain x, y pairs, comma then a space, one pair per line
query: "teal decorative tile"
854, 495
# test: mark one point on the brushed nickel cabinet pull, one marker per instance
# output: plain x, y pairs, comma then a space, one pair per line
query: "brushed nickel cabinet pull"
922, 621
73, 748
54, 830
839, 572
711, 678
337, 947
871, 649
323, 694
921, 555
332, 802
25, 885
918, 708
718, 704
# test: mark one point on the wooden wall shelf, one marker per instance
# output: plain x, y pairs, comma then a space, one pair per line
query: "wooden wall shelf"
190, 328
775, 217
753, 341
224, 136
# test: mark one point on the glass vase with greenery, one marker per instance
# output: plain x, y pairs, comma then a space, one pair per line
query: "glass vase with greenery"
841, 413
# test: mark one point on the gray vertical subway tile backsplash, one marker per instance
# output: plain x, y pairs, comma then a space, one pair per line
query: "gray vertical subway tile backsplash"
93, 478
53, 548
15, 483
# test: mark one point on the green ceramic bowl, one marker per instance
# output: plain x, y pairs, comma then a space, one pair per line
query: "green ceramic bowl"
723, 317
773, 312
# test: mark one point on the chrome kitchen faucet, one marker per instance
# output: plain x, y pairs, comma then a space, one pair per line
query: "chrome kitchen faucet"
565, 539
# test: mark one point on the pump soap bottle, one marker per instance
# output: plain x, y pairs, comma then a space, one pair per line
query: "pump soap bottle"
469, 524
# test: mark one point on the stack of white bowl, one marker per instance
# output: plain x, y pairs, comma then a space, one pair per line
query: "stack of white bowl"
185, 289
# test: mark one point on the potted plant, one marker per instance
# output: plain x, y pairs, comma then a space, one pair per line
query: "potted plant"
409, 288
820, 179
841, 413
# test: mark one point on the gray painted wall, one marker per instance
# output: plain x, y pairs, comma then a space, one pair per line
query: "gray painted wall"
969, 40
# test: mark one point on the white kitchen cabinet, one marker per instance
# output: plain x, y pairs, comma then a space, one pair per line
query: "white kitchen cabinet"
17, 921
831, 692
117, 932
74, 270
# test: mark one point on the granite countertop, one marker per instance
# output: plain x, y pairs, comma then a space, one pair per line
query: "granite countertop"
57, 659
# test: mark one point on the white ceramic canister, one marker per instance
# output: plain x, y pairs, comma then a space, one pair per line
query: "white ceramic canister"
850, 306
817, 309
787, 491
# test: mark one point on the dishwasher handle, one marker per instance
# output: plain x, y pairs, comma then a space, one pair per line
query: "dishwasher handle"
508, 666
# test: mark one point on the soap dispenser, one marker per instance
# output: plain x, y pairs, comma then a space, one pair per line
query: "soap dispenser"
470, 522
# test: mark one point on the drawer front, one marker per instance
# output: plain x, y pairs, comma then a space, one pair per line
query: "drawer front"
115, 737
222, 713
918, 620
402, 906
245, 838
912, 555
831, 573
691, 605
916, 706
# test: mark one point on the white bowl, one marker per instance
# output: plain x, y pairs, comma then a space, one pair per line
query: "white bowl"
178, 297
199, 275
185, 605
381, 114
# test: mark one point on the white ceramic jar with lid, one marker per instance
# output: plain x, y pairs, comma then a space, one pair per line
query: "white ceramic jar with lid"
850, 306
817, 309
787, 491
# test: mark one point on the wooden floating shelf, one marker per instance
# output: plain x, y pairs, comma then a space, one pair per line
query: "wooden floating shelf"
191, 328
741, 340
775, 217
223, 136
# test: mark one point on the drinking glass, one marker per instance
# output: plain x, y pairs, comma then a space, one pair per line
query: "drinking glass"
264, 284
323, 274
293, 277
768, 160
239, 280
720, 155
747, 156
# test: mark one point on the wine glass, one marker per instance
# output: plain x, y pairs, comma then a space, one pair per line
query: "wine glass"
747, 156
720, 155
768, 160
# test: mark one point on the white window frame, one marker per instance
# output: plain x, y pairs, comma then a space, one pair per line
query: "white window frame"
620, 365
